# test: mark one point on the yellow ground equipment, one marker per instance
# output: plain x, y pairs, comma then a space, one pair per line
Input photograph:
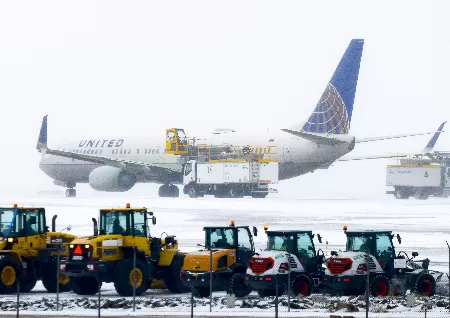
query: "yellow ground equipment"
28, 251
108, 256
230, 249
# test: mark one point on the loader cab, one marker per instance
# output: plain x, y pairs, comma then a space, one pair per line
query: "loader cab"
376, 243
238, 238
298, 243
176, 142
125, 221
18, 222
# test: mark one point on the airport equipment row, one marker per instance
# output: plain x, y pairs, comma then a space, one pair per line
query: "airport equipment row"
121, 251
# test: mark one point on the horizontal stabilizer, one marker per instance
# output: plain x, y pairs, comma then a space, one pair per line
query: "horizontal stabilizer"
370, 139
315, 138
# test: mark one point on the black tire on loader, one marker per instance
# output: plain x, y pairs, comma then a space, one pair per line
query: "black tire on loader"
172, 277
201, 292
302, 285
10, 273
123, 280
49, 279
85, 286
237, 285
425, 285
380, 286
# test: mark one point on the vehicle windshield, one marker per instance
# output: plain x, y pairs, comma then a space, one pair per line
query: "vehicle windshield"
220, 238
6, 217
181, 136
279, 243
359, 243
22, 223
115, 223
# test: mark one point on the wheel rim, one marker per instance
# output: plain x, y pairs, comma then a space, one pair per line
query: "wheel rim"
138, 277
64, 279
8, 275
381, 289
426, 287
302, 287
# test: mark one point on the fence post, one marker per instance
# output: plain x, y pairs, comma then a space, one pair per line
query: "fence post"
134, 278
289, 283
448, 275
192, 302
210, 278
276, 296
99, 297
367, 285
57, 279
18, 297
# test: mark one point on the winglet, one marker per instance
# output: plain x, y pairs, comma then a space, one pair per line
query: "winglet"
429, 147
42, 140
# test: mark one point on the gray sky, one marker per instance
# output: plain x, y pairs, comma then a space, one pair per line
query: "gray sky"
121, 68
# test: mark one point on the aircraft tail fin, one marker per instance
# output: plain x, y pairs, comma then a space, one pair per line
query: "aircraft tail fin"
333, 112
42, 139
429, 147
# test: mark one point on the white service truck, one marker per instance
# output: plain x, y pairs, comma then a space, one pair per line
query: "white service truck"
229, 179
418, 181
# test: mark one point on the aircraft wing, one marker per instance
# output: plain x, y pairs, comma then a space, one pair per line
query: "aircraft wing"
427, 151
107, 161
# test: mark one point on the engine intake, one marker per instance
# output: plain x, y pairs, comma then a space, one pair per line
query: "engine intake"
111, 179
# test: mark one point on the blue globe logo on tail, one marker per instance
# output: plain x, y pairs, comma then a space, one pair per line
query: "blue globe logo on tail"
330, 115
333, 112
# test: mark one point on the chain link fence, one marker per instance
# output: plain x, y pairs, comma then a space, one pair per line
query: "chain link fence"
157, 300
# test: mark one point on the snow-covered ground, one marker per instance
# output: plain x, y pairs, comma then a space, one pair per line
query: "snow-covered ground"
423, 225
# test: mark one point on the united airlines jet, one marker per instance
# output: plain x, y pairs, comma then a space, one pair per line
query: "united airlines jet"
116, 164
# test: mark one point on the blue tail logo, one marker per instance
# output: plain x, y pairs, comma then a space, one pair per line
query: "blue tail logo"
333, 112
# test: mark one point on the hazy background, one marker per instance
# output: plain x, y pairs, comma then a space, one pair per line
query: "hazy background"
122, 68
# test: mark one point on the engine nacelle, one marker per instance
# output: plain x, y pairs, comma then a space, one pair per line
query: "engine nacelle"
111, 179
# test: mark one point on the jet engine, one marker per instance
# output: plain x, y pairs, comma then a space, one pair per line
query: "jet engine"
111, 179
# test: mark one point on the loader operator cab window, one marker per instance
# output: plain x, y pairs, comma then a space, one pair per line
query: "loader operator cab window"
385, 250
359, 243
280, 243
115, 223
22, 222
305, 249
140, 228
6, 218
220, 238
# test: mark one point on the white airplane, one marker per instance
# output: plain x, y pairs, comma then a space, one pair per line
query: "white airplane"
117, 164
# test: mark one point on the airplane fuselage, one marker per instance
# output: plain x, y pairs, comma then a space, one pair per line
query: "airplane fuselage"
296, 156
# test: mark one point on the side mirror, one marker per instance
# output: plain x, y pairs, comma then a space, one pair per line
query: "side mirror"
69, 228
399, 239
319, 238
334, 253
153, 220
255, 231
415, 254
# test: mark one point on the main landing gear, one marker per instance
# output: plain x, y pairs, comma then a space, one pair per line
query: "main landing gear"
168, 191
71, 193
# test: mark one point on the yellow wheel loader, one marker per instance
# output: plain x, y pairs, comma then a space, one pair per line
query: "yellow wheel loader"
28, 251
230, 249
122, 252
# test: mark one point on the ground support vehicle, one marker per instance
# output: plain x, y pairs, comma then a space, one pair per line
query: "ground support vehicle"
230, 249
109, 255
389, 273
290, 258
28, 251
419, 179
230, 172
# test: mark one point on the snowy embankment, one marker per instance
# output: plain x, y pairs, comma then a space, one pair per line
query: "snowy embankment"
315, 304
